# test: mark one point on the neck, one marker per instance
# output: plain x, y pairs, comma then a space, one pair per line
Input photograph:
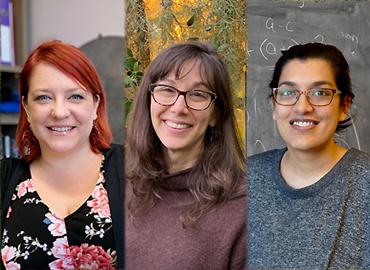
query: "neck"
178, 161
63, 168
304, 168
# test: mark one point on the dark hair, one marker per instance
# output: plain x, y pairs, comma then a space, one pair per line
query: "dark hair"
329, 53
219, 174
73, 63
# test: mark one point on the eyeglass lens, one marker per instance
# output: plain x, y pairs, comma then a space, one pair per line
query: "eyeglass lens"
167, 95
316, 96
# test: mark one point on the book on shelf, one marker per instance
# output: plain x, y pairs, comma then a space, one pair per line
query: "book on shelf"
8, 147
7, 54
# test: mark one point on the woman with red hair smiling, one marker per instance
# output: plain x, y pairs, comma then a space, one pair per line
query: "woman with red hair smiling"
64, 197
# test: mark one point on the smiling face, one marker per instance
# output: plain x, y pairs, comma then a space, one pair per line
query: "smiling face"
303, 126
181, 129
60, 111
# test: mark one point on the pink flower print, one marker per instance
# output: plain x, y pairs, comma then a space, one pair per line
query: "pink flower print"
24, 187
12, 266
9, 212
57, 226
60, 248
8, 254
99, 203
84, 257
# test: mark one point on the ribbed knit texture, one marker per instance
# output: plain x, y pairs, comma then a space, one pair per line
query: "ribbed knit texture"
322, 226
158, 240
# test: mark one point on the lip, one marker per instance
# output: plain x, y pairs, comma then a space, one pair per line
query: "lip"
303, 124
178, 126
60, 129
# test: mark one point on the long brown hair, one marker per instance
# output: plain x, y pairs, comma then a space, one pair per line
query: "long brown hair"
219, 174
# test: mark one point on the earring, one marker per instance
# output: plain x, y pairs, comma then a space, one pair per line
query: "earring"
26, 138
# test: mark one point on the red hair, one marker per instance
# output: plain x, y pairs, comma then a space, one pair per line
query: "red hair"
73, 63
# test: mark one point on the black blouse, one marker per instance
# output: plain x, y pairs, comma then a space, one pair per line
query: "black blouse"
36, 238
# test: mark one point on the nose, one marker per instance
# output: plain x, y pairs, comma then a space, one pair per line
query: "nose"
303, 105
179, 105
60, 110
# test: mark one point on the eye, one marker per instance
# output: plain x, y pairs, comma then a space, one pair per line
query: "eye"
164, 90
76, 97
320, 92
198, 95
42, 98
285, 92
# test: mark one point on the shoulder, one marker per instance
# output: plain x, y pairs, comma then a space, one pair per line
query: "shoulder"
265, 159
11, 170
266, 156
10, 165
115, 152
359, 157
356, 165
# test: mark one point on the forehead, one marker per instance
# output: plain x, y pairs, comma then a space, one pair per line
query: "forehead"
307, 71
48, 76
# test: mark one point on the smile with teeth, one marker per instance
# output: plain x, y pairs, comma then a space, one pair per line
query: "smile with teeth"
176, 125
61, 129
303, 123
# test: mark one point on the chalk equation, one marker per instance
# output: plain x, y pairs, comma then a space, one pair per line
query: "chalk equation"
277, 38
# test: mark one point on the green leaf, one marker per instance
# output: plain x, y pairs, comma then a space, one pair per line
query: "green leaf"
136, 66
190, 22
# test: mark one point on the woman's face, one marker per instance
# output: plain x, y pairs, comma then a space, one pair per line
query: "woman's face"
181, 129
60, 111
304, 126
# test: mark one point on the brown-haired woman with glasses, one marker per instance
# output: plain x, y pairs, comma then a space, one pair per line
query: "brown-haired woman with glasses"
308, 204
185, 167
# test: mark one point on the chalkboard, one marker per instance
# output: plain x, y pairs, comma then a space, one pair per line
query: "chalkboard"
276, 25
107, 54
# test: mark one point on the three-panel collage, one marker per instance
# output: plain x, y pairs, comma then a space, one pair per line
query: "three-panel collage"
184, 135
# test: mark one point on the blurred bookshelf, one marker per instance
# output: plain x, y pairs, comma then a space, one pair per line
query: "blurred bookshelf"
10, 68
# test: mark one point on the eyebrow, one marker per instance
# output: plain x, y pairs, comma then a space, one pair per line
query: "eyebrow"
314, 84
194, 85
47, 90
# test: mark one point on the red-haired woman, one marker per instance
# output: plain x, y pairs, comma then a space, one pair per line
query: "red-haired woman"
61, 203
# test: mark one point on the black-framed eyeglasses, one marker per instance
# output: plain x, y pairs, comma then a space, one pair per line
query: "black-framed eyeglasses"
167, 95
318, 96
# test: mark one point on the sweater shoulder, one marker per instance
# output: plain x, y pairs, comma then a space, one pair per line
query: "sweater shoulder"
264, 157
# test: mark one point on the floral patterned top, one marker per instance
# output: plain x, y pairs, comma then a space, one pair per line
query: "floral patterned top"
36, 238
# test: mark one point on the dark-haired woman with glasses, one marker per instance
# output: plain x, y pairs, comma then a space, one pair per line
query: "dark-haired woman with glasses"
185, 167
309, 202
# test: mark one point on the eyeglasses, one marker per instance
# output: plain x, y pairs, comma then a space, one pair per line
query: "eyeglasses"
167, 95
318, 96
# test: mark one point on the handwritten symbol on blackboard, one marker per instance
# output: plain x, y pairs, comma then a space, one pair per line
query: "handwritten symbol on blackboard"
269, 48
302, 5
353, 39
319, 38
270, 25
259, 142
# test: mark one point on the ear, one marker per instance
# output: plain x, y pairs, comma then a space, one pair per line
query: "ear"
345, 108
273, 109
96, 105
25, 108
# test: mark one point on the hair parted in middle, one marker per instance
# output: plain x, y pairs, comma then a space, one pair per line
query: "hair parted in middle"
219, 173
